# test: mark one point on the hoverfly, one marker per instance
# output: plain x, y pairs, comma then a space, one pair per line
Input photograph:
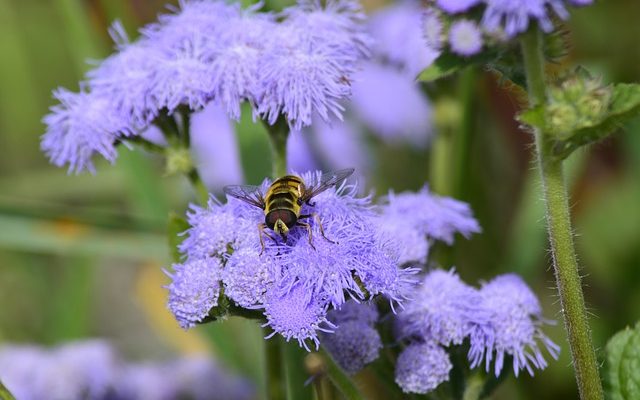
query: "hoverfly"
282, 204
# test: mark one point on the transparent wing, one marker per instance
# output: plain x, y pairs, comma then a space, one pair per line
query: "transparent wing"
247, 193
328, 180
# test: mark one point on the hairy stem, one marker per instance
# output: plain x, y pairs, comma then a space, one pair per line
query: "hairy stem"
340, 379
275, 368
560, 233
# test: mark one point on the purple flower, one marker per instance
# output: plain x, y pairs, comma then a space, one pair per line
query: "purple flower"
465, 38
421, 367
80, 126
433, 29
215, 148
353, 345
456, 6
442, 310
82, 370
194, 290
296, 281
355, 342
513, 327
392, 105
296, 314
434, 216
398, 35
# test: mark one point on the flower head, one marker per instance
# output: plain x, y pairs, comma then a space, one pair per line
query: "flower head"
436, 217
194, 290
456, 6
513, 327
82, 125
442, 310
465, 38
421, 367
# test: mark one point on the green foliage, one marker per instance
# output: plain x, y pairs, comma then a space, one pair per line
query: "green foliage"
622, 376
448, 63
580, 111
5, 394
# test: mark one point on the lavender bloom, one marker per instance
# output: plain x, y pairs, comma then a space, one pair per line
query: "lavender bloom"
398, 34
215, 148
456, 6
433, 29
436, 217
194, 290
421, 367
355, 342
465, 38
296, 282
83, 370
392, 105
513, 327
513, 16
80, 126
443, 310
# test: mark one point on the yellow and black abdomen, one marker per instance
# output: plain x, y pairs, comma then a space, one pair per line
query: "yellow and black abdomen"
281, 201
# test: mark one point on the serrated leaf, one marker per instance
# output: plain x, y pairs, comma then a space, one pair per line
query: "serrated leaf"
622, 373
448, 63
176, 226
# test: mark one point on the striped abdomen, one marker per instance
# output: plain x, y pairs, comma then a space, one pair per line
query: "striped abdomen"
281, 201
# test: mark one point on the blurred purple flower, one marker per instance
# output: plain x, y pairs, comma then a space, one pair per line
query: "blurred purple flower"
398, 36
513, 327
355, 342
421, 367
80, 370
465, 38
391, 104
456, 6
194, 290
433, 28
443, 310
215, 148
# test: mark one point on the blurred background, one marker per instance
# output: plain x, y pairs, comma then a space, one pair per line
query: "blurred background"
82, 256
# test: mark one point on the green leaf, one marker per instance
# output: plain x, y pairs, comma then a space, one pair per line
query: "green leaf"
622, 373
449, 63
5, 394
176, 226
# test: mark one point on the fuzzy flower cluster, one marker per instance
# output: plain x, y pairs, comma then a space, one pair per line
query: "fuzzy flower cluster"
501, 319
93, 370
452, 24
294, 282
291, 65
355, 341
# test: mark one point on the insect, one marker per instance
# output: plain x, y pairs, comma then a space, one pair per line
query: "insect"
282, 204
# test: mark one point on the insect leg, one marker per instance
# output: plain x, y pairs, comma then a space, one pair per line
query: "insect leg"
316, 217
262, 233
308, 228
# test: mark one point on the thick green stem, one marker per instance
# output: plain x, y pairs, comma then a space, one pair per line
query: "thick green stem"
473, 387
275, 368
560, 234
341, 381
278, 134
5, 394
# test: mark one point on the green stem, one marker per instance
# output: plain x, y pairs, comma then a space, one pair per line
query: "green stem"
461, 141
560, 234
340, 380
5, 394
185, 131
198, 185
278, 134
473, 387
275, 368
145, 144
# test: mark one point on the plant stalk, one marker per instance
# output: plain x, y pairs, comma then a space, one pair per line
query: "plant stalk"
275, 368
278, 134
560, 233
340, 379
